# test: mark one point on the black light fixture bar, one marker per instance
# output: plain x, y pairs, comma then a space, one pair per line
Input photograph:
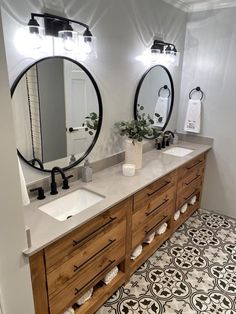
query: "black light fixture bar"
54, 23
160, 45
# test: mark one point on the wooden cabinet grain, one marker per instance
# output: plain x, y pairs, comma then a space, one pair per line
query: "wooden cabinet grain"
66, 269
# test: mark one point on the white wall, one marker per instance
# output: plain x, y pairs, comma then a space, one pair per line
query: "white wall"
15, 283
210, 63
124, 28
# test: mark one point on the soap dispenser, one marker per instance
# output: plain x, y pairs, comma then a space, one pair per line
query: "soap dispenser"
87, 172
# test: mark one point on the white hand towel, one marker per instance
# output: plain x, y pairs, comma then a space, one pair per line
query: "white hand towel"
111, 275
193, 200
150, 238
184, 208
24, 193
193, 116
161, 108
85, 297
162, 229
136, 252
69, 311
176, 215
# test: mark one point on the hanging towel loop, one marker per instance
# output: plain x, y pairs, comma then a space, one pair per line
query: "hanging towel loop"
164, 87
197, 89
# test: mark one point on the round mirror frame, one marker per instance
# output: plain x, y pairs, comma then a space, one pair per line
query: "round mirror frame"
100, 109
138, 90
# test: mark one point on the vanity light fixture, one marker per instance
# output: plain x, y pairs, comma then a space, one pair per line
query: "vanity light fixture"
63, 34
162, 52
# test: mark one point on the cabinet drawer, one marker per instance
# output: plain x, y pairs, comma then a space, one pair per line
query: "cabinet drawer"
190, 166
154, 206
191, 178
90, 275
189, 192
155, 221
153, 190
63, 249
86, 255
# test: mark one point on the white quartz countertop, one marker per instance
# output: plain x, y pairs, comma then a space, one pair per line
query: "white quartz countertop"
110, 183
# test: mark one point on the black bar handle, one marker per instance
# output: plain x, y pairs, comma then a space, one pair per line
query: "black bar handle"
77, 291
164, 185
79, 243
163, 203
197, 163
78, 268
198, 176
157, 225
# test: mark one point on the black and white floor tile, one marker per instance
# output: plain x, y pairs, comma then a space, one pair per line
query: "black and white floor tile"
193, 272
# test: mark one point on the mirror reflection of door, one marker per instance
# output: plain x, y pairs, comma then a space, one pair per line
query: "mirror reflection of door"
79, 100
51, 97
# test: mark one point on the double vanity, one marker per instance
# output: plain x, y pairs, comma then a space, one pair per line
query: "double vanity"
79, 235
73, 251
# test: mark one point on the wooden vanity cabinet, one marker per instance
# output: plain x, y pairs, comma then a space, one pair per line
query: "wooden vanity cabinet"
80, 260
66, 269
189, 183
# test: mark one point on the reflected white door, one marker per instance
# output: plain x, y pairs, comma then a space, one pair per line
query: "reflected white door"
77, 87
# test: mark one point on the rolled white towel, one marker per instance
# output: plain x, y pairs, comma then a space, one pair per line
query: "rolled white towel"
162, 229
176, 215
150, 238
69, 311
111, 275
193, 200
184, 208
136, 252
85, 297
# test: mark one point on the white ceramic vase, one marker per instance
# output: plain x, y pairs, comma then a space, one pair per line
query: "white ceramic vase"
134, 153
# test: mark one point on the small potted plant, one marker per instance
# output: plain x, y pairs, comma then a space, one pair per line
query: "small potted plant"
135, 131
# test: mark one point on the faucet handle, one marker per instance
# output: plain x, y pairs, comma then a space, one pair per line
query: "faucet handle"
40, 190
65, 184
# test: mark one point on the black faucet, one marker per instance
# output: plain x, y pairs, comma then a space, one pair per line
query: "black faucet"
167, 135
65, 184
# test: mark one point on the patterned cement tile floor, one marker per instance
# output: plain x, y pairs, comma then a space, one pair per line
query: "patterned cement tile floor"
193, 272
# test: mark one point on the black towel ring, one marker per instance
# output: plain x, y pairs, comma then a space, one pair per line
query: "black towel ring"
164, 87
197, 89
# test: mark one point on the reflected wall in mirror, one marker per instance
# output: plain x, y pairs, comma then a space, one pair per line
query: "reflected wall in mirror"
57, 111
155, 96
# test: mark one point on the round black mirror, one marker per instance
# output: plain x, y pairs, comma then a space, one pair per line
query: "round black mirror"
57, 109
154, 97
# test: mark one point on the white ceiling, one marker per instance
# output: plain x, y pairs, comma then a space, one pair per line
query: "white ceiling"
201, 5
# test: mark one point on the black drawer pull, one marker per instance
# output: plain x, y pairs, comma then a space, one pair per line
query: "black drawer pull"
77, 291
192, 194
151, 212
198, 176
88, 237
78, 268
164, 185
156, 226
197, 163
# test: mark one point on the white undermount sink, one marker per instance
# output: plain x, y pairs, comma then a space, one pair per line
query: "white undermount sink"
178, 151
71, 204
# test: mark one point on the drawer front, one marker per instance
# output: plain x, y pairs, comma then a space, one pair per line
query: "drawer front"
154, 222
189, 192
155, 189
153, 207
191, 178
63, 249
190, 166
86, 255
59, 302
